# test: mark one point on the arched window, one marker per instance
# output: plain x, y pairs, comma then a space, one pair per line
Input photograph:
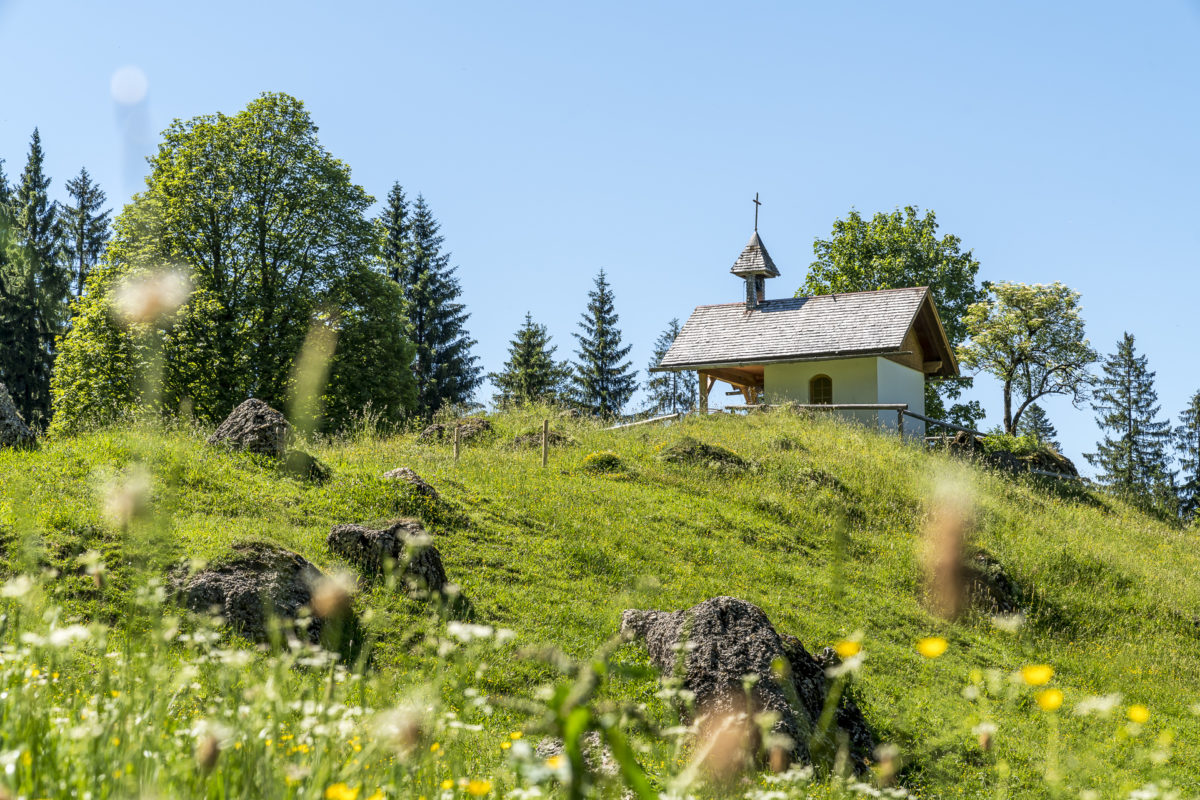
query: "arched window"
820, 390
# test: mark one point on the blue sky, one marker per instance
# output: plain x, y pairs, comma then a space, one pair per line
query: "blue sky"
552, 140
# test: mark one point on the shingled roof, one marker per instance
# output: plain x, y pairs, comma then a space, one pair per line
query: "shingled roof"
754, 260
810, 329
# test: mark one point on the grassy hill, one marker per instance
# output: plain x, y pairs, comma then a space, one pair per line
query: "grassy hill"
824, 532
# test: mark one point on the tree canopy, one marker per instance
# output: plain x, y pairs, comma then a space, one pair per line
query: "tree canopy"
445, 370
1031, 338
896, 250
603, 381
531, 375
669, 392
1132, 458
272, 237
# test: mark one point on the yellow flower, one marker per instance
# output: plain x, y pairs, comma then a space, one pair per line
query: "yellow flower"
340, 791
377, 795
515, 735
433, 748
847, 648
1037, 674
554, 762
1139, 714
1049, 699
479, 788
447, 784
505, 745
932, 646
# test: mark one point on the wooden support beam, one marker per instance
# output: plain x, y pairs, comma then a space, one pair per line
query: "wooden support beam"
705, 386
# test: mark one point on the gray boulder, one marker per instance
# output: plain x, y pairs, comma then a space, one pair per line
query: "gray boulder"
403, 543
256, 428
716, 644
418, 484
13, 430
256, 582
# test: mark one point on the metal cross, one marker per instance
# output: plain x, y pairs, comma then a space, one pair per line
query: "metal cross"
756, 205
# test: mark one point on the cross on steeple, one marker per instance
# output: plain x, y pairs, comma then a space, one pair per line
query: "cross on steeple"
756, 205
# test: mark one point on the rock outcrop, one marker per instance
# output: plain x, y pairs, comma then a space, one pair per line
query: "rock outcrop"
404, 543
418, 484
691, 451
469, 428
1046, 458
256, 582
713, 646
256, 428
13, 430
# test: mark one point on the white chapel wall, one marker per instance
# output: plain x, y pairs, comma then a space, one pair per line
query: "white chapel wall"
855, 380
901, 384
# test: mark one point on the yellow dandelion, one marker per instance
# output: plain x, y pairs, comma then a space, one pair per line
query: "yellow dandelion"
554, 762
377, 795
433, 748
1037, 674
447, 784
340, 791
1139, 714
505, 745
932, 646
1049, 699
847, 648
515, 735
478, 788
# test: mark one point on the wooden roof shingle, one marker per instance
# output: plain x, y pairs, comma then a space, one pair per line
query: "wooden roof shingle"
755, 260
808, 328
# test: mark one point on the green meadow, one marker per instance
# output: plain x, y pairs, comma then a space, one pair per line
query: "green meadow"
109, 690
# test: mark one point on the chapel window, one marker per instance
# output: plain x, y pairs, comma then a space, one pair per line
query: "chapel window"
820, 390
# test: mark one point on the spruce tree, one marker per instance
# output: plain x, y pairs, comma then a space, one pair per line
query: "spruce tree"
531, 375
603, 381
85, 227
35, 292
446, 372
1035, 423
1132, 459
670, 392
1187, 447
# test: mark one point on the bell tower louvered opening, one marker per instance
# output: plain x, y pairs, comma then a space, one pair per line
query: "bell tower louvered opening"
754, 266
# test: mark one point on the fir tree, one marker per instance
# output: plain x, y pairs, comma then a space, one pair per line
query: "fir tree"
1133, 460
1187, 445
35, 291
1035, 423
603, 382
445, 370
85, 227
670, 392
531, 375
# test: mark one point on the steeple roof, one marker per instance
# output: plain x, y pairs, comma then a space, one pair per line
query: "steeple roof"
755, 260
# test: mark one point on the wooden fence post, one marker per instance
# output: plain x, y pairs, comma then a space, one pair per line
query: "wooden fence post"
900, 423
456, 441
545, 442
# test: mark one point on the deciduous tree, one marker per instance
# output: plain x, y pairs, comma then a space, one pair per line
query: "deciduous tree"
1031, 338
897, 250
272, 236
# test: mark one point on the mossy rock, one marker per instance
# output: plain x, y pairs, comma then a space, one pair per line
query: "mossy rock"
692, 452
602, 462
